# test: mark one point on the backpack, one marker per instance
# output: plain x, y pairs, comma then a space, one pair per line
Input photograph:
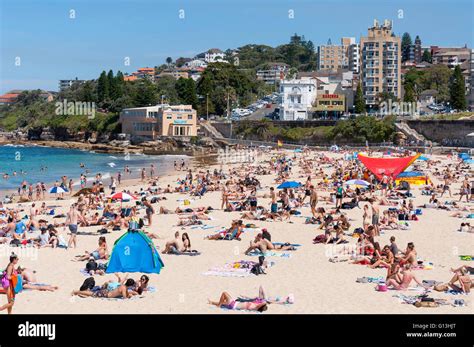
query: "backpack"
88, 283
91, 265
15, 242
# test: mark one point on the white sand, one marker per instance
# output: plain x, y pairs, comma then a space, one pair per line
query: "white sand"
318, 285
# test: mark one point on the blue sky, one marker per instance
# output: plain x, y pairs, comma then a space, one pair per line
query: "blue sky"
52, 46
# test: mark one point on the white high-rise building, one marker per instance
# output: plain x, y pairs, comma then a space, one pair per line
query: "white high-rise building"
298, 97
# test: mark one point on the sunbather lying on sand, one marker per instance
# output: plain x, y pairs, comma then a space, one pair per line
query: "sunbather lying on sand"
121, 289
29, 280
461, 275
226, 301
263, 245
99, 253
269, 300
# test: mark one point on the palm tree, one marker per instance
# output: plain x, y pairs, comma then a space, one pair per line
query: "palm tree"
262, 129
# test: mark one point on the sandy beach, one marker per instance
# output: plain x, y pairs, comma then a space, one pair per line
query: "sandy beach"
317, 285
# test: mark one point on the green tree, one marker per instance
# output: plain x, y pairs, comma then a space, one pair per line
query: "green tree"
113, 87
359, 101
458, 90
409, 95
186, 90
169, 60
146, 94
103, 87
405, 46
437, 77
426, 56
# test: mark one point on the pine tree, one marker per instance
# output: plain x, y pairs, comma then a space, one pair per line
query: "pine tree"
119, 84
113, 92
426, 56
458, 90
359, 102
405, 47
103, 87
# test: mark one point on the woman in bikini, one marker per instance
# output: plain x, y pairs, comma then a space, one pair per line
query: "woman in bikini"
10, 272
407, 278
99, 253
226, 301
124, 289
386, 259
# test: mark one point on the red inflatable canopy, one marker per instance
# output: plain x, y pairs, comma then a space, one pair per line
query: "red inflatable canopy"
391, 167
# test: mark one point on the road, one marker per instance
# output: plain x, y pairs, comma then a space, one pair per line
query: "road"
261, 113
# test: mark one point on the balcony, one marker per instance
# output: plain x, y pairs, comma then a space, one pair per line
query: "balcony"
390, 84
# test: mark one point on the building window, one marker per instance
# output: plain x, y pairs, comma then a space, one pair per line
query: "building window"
190, 116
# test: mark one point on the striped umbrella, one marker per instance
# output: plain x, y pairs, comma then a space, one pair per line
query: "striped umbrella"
57, 190
357, 183
123, 196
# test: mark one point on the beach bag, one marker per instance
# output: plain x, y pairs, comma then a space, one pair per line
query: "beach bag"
17, 283
91, 265
382, 287
320, 239
187, 202
5, 281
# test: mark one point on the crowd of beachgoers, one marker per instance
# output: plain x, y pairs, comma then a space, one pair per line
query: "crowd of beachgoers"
348, 214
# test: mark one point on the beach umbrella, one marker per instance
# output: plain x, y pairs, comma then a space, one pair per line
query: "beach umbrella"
57, 190
122, 196
289, 184
357, 183
470, 135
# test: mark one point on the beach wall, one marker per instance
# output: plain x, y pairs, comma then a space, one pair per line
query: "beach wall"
445, 132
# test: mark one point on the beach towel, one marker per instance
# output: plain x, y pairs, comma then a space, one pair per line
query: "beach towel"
377, 280
291, 244
269, 254
240, 268
466, 257
192, 253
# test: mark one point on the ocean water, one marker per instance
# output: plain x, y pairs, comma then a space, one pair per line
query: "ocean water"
28, 162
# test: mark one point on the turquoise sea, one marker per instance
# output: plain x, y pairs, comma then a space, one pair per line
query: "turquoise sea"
46, 164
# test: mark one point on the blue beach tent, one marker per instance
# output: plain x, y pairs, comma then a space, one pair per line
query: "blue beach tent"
289, 184
134, 252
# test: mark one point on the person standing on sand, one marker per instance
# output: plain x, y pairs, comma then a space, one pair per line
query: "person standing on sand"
375, 217
149, 211
10, 271
313, 200
385, 181
152, 170
73, 216
225, 196
143, 174
69, 186
119, 177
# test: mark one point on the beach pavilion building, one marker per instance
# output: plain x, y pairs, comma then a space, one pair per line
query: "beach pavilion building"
152, 122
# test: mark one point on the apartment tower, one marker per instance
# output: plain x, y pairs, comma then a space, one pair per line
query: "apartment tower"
381, 62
